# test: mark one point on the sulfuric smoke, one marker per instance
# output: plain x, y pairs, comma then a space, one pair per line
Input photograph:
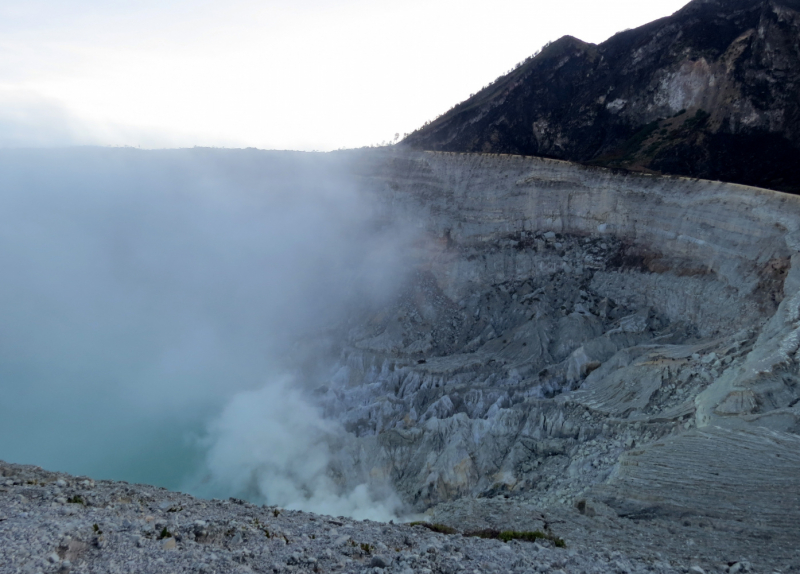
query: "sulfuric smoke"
272, 445
148, 302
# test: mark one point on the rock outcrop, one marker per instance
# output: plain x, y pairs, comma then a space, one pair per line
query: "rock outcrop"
574, 334
709, 92
58, 523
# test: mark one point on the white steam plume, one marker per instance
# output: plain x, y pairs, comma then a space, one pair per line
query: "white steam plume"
146, 294
273, 446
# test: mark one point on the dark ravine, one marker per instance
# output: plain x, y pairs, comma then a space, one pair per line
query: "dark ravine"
709, 92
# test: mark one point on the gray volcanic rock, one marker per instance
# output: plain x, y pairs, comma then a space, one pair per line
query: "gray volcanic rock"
710, 91
57, 523
574, 334
680, 475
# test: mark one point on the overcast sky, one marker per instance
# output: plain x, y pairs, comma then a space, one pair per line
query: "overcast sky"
272, 74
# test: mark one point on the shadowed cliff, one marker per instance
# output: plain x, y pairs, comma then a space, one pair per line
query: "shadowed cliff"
709, 92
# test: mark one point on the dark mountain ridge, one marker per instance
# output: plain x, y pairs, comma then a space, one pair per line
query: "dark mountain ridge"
712, 91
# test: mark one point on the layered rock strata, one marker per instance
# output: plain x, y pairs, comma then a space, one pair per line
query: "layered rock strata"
571, 334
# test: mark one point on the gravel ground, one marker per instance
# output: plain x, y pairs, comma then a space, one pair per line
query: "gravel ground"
51, 522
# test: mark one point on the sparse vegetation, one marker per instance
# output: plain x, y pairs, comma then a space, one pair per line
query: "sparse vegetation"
636, 141
164, 534
261, 527
504, 535
76, 499
698, 119
525, 536
366, 548
440, 528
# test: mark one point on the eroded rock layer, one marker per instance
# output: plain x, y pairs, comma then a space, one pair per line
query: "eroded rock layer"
571, 334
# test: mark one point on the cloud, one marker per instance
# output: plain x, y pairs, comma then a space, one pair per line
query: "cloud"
30, 120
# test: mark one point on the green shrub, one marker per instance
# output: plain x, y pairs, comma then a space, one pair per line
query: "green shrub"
525, 536
440, 528
491, 533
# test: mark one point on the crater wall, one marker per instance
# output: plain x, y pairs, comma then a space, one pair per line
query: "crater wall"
563, 316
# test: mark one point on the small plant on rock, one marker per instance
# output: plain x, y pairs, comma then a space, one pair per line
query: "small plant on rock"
439, 528
525, 536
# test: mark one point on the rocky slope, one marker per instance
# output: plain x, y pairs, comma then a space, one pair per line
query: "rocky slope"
577, 337
709, 92
59, 523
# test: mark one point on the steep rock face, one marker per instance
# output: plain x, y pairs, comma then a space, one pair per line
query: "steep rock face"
562, 318
709, 92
